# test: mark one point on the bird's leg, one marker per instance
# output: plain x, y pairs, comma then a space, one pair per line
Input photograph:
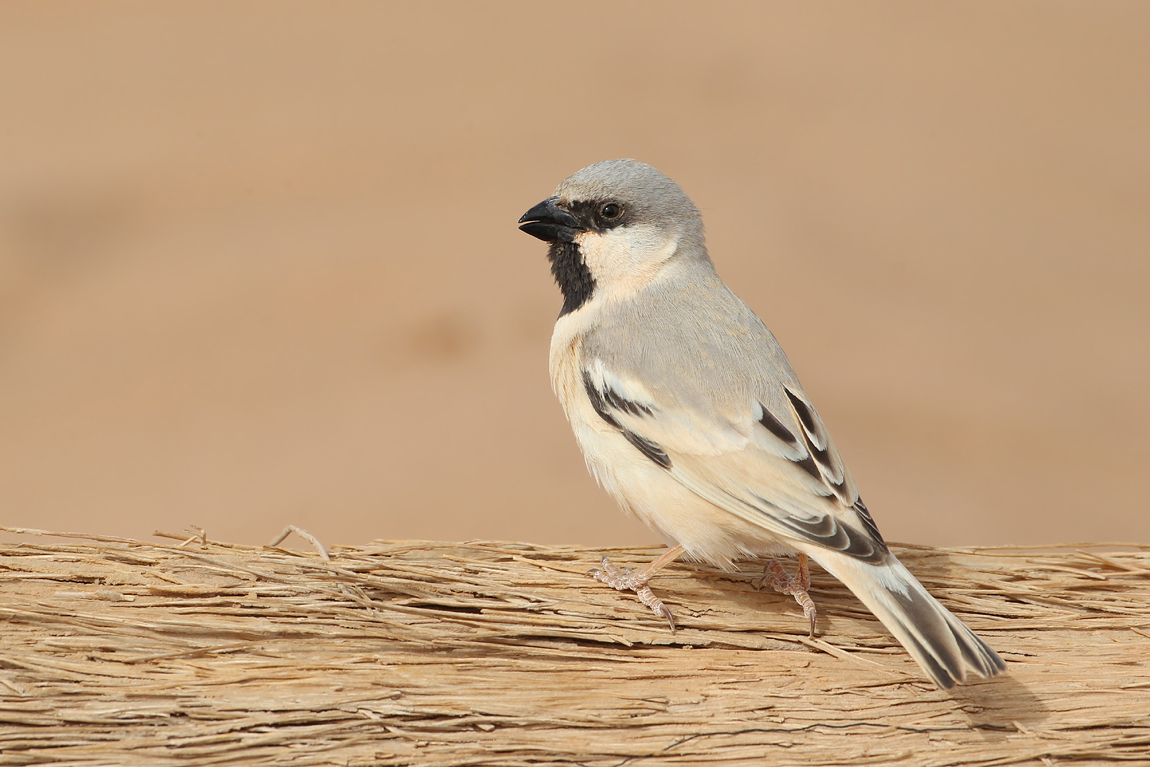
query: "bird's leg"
777, 578
629, 580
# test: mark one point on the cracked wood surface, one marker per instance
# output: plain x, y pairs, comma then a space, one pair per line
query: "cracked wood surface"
122, 652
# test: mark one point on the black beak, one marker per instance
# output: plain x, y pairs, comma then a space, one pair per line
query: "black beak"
550, 223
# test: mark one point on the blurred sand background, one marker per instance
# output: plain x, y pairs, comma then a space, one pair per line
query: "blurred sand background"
259, 262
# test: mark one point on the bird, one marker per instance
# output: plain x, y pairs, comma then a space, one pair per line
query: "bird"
689, 414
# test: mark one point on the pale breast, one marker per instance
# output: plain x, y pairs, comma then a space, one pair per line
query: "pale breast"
642, 487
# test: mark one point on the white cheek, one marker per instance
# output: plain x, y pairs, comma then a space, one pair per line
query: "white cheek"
623, 259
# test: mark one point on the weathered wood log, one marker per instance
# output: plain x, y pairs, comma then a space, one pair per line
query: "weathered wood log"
122, 652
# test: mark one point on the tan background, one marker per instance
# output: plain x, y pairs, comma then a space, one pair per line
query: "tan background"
259, 261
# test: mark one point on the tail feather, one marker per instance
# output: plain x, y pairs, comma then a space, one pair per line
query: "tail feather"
945, 648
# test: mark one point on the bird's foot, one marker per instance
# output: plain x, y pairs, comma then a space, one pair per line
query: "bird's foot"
778, 579
629, 580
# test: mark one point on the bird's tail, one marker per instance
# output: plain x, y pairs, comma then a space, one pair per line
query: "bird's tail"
945, 648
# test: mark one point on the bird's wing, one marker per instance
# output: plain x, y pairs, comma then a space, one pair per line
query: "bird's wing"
777, 469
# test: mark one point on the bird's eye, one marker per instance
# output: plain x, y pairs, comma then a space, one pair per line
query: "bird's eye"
611, 211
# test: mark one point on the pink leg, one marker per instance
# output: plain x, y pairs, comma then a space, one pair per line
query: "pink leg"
777, 578
629, 580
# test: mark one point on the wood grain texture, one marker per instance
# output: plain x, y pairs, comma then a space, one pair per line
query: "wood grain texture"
122, 652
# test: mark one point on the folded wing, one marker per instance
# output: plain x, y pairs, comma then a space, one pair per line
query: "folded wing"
775, 467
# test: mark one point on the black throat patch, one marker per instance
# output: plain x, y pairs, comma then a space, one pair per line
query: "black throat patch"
572, 275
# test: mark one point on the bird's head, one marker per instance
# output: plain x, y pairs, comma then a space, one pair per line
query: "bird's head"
612, 226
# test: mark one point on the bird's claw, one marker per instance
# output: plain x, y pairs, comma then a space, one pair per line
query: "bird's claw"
629, 580
781, 581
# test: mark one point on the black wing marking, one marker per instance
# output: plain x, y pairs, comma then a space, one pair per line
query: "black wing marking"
598, 402
830, 532
818, 449
774, 426
823, 530
808, 465
871, 527
608, 402
617, 401
867, 545
648, 448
